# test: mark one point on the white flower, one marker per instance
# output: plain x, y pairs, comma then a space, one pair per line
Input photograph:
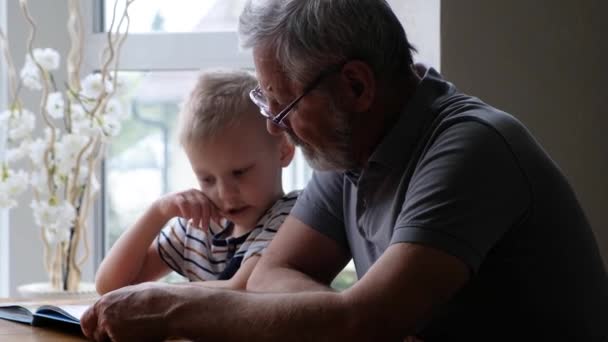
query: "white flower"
77, 112
37, 147
30, 76
39, 182
67, 151
55, 220
114, 108
11, 187
36, 152
83, 176
21, 123
48, 58
13, 155
111, 126
88, 126
121, 85
17, 182
5, 200
93, 87
55, 105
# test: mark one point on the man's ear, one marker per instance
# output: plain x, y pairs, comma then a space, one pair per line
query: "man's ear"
287, 150
359, 85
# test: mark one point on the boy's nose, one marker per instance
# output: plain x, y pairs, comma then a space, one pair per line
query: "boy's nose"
227, 190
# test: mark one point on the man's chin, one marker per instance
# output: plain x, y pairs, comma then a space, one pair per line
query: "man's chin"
321, 163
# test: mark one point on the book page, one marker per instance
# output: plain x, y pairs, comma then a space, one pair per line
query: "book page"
17, 313
73, 311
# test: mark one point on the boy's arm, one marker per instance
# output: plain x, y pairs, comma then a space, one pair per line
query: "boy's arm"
299, 258
134, 257
238, 281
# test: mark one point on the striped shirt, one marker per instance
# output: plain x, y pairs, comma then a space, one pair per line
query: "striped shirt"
215, 255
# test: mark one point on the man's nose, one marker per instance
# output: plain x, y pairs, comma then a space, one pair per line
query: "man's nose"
272, 128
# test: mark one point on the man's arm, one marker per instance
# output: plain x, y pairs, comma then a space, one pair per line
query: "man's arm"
399, 293
298, 259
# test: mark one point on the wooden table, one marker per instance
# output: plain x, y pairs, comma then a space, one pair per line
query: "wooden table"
17, 332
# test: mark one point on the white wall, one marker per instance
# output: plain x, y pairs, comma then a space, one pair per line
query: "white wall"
546, 62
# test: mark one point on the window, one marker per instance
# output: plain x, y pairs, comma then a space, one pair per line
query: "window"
169, 42
180, 15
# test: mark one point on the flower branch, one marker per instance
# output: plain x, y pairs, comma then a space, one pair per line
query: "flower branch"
78, 121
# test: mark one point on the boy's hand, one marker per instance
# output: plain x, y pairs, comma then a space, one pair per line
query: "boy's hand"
192, 205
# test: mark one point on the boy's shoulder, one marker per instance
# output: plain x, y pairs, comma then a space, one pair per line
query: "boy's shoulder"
275, 215
288, 200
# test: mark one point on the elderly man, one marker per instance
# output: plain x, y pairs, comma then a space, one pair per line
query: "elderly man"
459, 224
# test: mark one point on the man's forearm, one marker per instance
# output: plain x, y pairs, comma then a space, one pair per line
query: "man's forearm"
303, 316
283, 280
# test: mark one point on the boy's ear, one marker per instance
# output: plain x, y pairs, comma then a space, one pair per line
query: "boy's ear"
287, 151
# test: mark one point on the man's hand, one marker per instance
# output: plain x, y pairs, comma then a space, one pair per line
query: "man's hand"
132, 313
190, 204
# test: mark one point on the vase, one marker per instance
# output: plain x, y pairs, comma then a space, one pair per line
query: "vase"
47, 291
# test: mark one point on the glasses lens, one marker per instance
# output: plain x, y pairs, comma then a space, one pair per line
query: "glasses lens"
260, 100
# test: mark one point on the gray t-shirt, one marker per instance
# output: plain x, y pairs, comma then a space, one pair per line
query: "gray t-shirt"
470, 180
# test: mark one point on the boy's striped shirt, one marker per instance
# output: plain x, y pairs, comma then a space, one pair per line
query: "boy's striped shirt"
199, 255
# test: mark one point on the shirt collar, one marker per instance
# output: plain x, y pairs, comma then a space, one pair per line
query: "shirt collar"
415, 118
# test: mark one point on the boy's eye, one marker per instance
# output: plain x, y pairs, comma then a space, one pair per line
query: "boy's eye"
206, 180
240, 172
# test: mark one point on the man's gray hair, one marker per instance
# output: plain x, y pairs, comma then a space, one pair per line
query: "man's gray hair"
309, 35
219, 99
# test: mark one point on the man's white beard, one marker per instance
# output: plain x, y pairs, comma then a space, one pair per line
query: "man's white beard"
337, 156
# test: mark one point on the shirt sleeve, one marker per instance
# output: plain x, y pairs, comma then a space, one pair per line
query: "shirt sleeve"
170, 244
268, 226
466, 193
320, 206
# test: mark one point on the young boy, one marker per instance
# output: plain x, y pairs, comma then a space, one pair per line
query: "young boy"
238, 166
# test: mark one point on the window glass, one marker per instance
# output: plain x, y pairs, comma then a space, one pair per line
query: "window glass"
178, 15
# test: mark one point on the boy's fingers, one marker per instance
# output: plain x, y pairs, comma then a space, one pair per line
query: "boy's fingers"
202, 206
204, 224
181, 203
195, 209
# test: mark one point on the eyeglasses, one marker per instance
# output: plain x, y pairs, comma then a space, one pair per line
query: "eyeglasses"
260, 100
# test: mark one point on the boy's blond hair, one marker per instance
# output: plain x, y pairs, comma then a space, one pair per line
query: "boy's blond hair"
219, 99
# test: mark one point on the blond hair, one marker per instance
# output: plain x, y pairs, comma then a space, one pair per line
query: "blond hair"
219, 99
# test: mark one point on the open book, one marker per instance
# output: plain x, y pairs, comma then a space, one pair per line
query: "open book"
67, 315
